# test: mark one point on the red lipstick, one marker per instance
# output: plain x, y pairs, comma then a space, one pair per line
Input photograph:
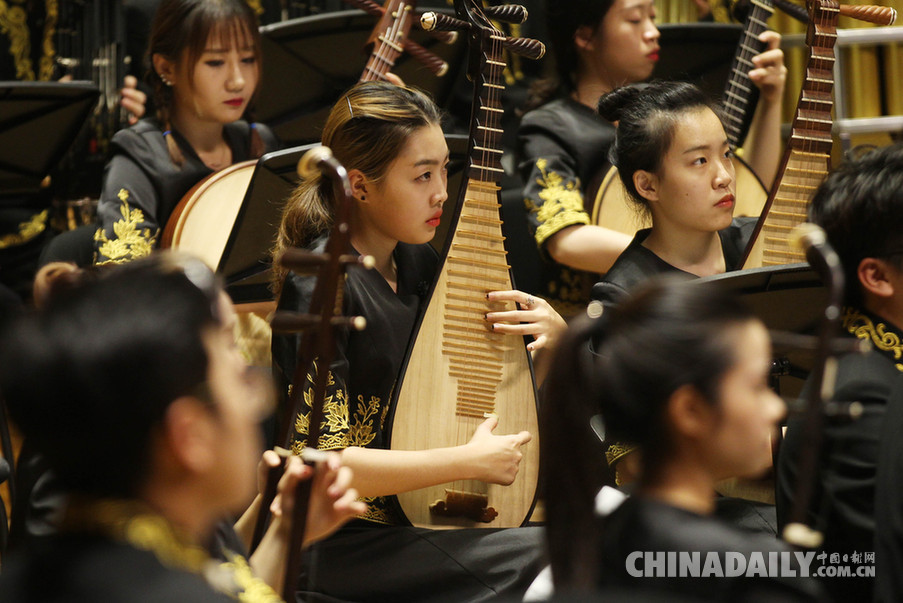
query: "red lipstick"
434, 221
726, 201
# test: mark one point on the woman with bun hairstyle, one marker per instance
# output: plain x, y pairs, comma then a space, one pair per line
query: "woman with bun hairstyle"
673, 157
562, 147
682, 369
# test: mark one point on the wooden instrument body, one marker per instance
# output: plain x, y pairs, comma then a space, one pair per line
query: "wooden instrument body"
807, 157
457, 370
202, 221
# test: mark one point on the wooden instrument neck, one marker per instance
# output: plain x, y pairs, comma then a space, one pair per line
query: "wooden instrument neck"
388, 39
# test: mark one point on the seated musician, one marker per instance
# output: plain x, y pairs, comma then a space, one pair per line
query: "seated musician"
600, 45
682, 369
390, 141
674, 159
131, 388
205, 60
860, 209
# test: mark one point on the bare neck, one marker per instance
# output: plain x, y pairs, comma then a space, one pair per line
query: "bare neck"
696, 252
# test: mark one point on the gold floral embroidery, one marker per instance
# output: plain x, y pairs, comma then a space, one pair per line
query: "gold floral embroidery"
14, 25
129, 242
886, 340
45, 68
361, 429
28, 230
562, 203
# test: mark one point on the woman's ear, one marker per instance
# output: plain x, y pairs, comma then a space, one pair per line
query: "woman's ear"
164, 68
359, 185
689, 414
583, 37
646, 184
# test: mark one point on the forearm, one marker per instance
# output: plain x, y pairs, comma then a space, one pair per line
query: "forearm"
763, 143
268, 560
587, 247
244, 526
380, 472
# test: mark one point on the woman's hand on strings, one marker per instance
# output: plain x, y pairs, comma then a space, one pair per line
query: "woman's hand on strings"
769, 73
496, 458
534, 316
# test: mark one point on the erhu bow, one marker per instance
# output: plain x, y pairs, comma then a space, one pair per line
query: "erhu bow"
317, 345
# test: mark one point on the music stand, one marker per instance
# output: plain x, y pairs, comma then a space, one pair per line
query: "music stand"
701, 53
787, 299
39, 122
246, 261
309, 62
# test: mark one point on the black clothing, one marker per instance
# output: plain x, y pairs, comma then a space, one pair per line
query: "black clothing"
648, 526
367, 362
844, 498
637, 263
117, 550
142, 185
376, 558
889, 500
562, 155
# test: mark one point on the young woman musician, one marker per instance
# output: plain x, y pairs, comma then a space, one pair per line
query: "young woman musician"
150, 385
600, 45
681, 368
205, 59
673, 157
390, 141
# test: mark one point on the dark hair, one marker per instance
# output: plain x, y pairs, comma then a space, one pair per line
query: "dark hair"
860, 207
180, 30
88, 377
624, 366
563, 19
366, 130
646, 116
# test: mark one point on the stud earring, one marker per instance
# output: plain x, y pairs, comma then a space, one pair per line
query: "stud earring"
166, 81
363, 197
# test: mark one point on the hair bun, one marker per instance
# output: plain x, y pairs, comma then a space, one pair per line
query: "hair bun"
613, 104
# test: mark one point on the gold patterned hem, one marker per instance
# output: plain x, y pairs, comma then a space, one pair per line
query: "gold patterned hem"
562, 203
885, 338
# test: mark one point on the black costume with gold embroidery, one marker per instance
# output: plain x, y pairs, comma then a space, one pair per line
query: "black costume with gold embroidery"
117, 550
637, 263
366, 363
844, 499
377, 558
562, 151
142, 185
641, 524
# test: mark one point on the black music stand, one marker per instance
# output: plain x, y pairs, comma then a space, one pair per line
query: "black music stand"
700, 53
309, 62
788, 299
38, 123
245, 264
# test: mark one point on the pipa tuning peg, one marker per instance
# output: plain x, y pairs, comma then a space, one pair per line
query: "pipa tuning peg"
292, 322
508, 13
528, 47
368, 6
430, 60
431, 21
